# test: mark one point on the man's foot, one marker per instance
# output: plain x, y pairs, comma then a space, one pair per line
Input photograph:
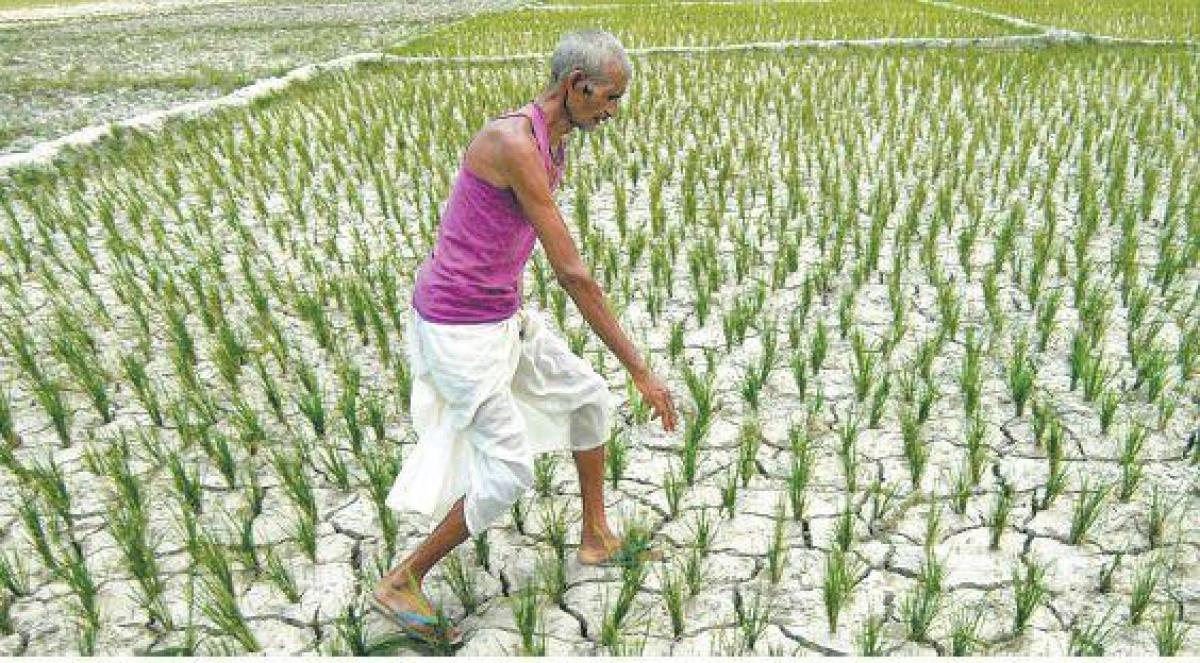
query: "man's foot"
413, 600
606, 549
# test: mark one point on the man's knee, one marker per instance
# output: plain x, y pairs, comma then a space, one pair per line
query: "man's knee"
589, 425
503, 466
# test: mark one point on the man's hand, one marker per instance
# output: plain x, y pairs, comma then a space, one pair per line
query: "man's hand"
655, 392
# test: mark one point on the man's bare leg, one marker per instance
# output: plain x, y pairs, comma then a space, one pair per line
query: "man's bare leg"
400, 588
597, 541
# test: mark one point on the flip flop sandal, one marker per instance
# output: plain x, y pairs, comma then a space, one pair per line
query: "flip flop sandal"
414, 624
615, 559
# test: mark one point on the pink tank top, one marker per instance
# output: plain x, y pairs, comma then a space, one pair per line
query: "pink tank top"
474, 271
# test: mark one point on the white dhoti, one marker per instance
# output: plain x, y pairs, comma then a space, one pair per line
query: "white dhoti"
486, 398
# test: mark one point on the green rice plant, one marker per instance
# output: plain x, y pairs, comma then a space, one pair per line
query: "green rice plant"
933, 528
694, 574
977, 451
673, 488
869, 640
1029, 591
1089, 638
554, 527
529, 620
1130, 459
1045, 319
777, 552
1021, 375
552, 579
220, 606
845, 313
270, 388
1104, 586
799, 366
964, 632
296, 482
544, 467
879, 400
863, 365
837, 585
970, 378
14, 575
1145, 581
702, 532
1096, 376
1168, 635
229, 354
882, 502
311, 402
335, 467
928, 395
1166, 410
616, 456
482, 550
803, 458
1109, 400
518, 510
135, 371
74, 572
961, 491
818, 347
675, 341
280, 576
304, 530
461, 580
1087, 509
49, 394
1158, 517
186, 483
49, 480
729, 492
843, 529
916, 451
997, 521
752, 620
311, 308
847, 438
1078, 357
749, 439
348, 403
752, 385
129, 527
671, 583
918, 609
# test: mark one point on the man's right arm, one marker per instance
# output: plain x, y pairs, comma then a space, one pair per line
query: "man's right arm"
519, 160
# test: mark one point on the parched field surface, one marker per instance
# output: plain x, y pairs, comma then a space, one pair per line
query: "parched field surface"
930, 306
66, 67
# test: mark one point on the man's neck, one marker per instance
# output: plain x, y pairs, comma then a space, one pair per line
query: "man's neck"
553, 107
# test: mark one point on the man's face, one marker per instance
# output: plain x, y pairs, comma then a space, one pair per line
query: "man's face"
595, 102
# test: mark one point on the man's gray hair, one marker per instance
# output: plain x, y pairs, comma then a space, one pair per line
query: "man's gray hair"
590, 51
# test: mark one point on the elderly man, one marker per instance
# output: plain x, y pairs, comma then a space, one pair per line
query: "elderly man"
492, 384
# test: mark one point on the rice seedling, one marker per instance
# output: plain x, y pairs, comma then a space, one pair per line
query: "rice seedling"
918, 609
554, 527
518, 510
702, 532
749, 439
843, 529
1145, 581
837, 585
552, 580
14, 575
673, 490
977, 451
777, 552
461, 580
803, 458
869, 640
482, 550
1087, 509
1029, 592
916, 451
280, 575
818, 347
335, 467
1169, 636
997, 520
752, 620
1090, 637
964, 632
1131, 465
1158, 517
693, 571
544, 467
729, 492
863, 367
671, 582
616, 454
529, 620
879, 400
1021, 375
